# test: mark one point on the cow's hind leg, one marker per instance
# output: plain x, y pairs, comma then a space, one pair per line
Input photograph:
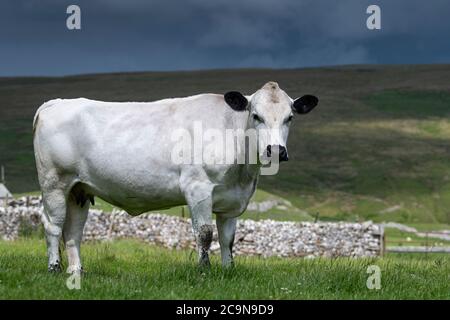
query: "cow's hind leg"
55, 205
77, 212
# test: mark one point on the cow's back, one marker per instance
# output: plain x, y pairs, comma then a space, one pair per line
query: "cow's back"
124, 148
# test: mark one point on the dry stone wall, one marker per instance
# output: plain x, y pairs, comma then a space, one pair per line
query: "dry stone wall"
256, 238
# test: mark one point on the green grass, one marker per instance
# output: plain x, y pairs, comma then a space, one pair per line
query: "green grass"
413, 104
379, 139
132, 270
395, 237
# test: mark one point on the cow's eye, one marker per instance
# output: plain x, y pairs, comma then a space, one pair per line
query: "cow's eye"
289, 119
257, 118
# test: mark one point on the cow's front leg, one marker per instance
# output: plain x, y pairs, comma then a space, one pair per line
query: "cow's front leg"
203, 228
226, 228
199, 199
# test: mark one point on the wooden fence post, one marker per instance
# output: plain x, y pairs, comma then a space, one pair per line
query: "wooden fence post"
382, 242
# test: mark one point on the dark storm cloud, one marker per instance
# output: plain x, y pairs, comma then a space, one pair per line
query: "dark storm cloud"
131, 35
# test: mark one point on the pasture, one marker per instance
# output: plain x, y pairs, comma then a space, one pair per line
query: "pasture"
128, 269
377, 147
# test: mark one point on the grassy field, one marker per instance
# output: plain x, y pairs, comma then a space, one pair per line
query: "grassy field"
396, 237
132, 270
377, 147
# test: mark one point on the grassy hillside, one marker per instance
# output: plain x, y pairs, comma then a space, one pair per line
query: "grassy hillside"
377, 147
130, 270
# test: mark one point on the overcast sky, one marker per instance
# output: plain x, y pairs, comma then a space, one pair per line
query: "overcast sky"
140, 35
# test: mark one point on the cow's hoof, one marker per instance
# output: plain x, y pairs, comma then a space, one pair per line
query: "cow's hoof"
204, 263
54, 268
75, 269
228, 265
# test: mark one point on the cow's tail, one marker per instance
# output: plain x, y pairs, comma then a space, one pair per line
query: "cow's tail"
39, 110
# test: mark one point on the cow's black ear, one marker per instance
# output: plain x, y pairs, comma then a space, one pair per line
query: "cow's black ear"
236, 100
305, 104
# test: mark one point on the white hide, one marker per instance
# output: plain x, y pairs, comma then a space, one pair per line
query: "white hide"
121, 152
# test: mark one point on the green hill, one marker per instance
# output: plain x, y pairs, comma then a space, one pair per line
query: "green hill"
377, 147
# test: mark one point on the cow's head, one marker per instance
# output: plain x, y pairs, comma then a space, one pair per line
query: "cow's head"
271, 112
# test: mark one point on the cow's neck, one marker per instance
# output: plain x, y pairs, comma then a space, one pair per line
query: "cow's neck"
252, 170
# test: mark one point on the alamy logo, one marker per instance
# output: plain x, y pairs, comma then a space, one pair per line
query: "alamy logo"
374, 280
73, 21
74, 281
225, 147
374, 20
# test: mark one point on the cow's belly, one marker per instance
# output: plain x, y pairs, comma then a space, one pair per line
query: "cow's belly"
134, 189
138, 205
136, 202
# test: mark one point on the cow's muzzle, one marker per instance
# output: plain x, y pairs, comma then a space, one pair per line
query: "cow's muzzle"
281, 150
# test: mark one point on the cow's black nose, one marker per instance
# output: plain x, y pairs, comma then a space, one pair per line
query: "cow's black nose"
282, 152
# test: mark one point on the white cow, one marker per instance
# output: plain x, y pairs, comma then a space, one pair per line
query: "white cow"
121, 152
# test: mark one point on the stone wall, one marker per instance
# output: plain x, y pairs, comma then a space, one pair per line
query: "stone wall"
262, 238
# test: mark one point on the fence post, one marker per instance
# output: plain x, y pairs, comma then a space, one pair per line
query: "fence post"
382, 240
2, 174
112, 216
316, 218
